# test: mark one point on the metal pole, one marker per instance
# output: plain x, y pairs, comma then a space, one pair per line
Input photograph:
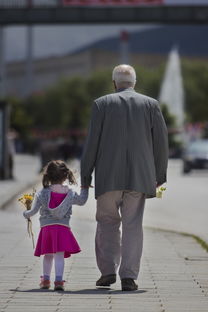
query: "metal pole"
4, 117
2, 64
60, 3
29, 61
29, 3
124, 47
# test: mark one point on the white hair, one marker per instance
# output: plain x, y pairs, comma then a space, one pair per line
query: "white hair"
124, 74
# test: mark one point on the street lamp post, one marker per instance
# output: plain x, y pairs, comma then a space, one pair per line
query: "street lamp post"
29, 61
124, 47
4, 148
4, 114
2, 64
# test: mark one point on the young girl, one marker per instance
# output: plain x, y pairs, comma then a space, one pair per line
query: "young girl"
55, 201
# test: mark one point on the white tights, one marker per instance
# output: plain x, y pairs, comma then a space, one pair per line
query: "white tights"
59, 264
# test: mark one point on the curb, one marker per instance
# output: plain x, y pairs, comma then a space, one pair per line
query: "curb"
198, 239
8, 201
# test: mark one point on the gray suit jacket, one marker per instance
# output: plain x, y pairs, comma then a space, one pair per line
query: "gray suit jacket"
127, 144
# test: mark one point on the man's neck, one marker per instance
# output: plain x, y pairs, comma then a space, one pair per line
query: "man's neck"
123, 89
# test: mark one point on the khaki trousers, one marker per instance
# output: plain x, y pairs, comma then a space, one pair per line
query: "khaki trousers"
113, 249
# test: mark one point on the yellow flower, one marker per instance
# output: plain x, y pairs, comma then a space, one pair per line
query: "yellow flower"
27, 199
28, 196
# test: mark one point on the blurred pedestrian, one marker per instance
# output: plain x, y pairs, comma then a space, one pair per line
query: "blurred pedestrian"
56, 240
127, 144
11, 136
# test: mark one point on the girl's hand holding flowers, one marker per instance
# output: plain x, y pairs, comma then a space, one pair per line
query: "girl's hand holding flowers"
25, 214
27, 200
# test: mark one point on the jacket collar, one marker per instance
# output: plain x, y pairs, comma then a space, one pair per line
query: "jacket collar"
125, 89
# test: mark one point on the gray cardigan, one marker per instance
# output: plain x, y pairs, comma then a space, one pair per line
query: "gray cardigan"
59, 215
127, 144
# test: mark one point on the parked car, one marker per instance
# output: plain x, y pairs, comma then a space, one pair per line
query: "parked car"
195, 156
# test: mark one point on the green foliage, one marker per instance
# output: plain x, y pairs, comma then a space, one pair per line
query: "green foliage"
62, 106
68, 104
195, 76
20, 120
149, 80
170, 121
100, 83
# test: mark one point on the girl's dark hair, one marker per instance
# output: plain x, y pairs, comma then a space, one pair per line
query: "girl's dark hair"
56, 172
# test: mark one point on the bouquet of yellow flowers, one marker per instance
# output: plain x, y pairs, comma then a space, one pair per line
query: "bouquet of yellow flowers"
159, 191
27, 200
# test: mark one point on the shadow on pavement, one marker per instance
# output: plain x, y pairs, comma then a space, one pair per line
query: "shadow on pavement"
97, 291
118, 292
100, 291
32, 290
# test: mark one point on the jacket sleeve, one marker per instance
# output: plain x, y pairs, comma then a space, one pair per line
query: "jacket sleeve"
160, 145
36, 204
82, 198
91, 146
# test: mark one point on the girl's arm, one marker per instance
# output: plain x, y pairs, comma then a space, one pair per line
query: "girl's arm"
36, 204
82, 198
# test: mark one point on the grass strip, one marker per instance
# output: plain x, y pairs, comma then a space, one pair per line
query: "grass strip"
198, 239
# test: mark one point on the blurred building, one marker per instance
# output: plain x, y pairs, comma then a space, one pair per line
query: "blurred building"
47, 71
146, 48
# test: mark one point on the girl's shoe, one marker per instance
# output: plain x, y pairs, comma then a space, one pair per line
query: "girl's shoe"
59, 285
44, 284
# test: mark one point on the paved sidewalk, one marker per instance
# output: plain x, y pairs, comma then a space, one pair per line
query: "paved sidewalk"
174, 272
183, 207
26, 168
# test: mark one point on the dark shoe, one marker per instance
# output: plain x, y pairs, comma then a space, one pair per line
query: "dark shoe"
128, 284
106, 280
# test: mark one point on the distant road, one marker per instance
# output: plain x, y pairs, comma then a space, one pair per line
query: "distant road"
184, 206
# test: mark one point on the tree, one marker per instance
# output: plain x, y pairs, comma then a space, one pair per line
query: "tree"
21, 121
68, 104
195, 75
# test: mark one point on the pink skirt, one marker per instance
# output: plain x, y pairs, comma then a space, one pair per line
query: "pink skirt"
56, 238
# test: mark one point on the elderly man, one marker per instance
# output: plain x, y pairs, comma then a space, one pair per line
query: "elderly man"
127, 145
